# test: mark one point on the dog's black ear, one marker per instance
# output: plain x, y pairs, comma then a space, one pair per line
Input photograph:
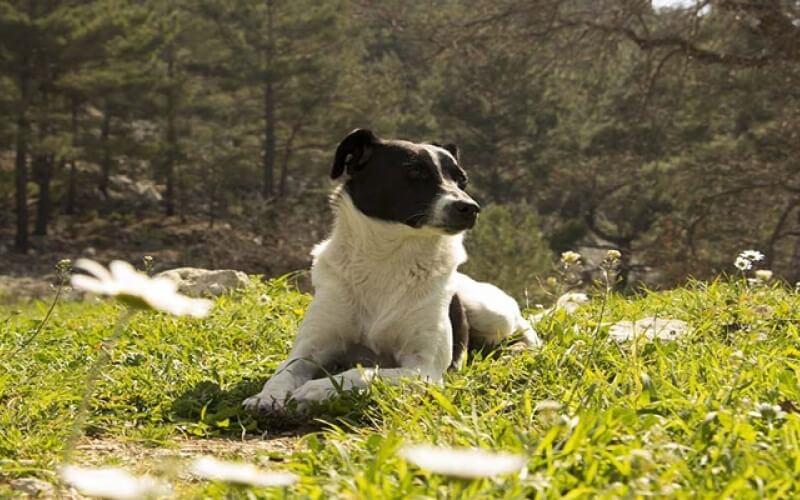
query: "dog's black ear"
452, 149
353, 152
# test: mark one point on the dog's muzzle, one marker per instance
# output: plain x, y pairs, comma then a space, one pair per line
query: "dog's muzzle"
460, 215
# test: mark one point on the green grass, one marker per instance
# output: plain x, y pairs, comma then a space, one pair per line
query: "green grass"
653, 418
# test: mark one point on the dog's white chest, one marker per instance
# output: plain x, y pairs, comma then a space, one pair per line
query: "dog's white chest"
394, 286
390, 302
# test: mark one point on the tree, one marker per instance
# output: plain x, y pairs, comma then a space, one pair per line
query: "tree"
277, 48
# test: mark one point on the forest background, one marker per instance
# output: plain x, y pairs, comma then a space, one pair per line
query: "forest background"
201, 132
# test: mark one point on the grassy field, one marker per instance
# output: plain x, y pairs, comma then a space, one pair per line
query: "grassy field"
713, 413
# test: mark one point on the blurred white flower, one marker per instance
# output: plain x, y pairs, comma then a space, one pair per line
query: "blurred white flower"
547, 405
768, 411
613, 255
539, 481
114, 483
468, 463
669, 489
763, 275
240, 473
570, 423
641, 455
742, 264
569, 257
752, 255
135, 289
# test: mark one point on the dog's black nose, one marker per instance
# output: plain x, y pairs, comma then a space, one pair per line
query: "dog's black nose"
466, 208
462, 214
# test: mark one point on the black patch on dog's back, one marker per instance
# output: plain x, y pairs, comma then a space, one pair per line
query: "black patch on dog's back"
458, 320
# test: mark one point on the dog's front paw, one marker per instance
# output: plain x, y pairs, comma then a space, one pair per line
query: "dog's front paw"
266, 402
529, 336
313, 391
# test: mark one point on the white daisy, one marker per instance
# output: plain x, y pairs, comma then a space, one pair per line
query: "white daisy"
240, 473
468, 463
743, 264
114, 483
752, 255
135, 289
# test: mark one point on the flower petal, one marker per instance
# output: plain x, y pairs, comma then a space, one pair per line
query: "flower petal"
163, 297
94, 268
467, 463
126, 273
114, 483
88, 284
217, 470
137, 290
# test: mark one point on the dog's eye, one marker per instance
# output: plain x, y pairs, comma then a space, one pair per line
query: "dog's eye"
418, 171
461, 180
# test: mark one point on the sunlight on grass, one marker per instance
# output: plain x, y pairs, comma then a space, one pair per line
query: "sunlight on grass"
713, 411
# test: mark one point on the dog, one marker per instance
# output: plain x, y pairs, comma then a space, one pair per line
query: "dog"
388, 299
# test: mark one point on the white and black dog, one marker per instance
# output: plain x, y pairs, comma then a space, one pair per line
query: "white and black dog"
388, 299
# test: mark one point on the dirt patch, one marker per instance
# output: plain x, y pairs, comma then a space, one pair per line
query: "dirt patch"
171, 242
136, 455
168, 461
16, 288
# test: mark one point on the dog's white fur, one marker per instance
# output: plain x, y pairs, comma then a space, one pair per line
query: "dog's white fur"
384, 289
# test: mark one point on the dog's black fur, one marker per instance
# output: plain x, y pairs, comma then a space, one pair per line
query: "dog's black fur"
399, 181
458, 320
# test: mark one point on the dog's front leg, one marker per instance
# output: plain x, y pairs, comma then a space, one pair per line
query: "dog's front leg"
321, 389
321, 339
301, 365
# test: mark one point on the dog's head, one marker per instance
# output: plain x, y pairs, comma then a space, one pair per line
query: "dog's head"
419, 185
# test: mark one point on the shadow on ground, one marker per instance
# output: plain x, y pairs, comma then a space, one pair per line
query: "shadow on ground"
206, 410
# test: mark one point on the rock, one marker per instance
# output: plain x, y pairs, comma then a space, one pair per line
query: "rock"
196, 282
32, 487
143, 191
662, 328
569, 302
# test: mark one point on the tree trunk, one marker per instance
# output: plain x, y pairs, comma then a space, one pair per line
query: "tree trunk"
72, 181
269, 110
21, 168
42, 173
171, 139
624, 270
287, 154
42, 164
105, 164
794, 263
